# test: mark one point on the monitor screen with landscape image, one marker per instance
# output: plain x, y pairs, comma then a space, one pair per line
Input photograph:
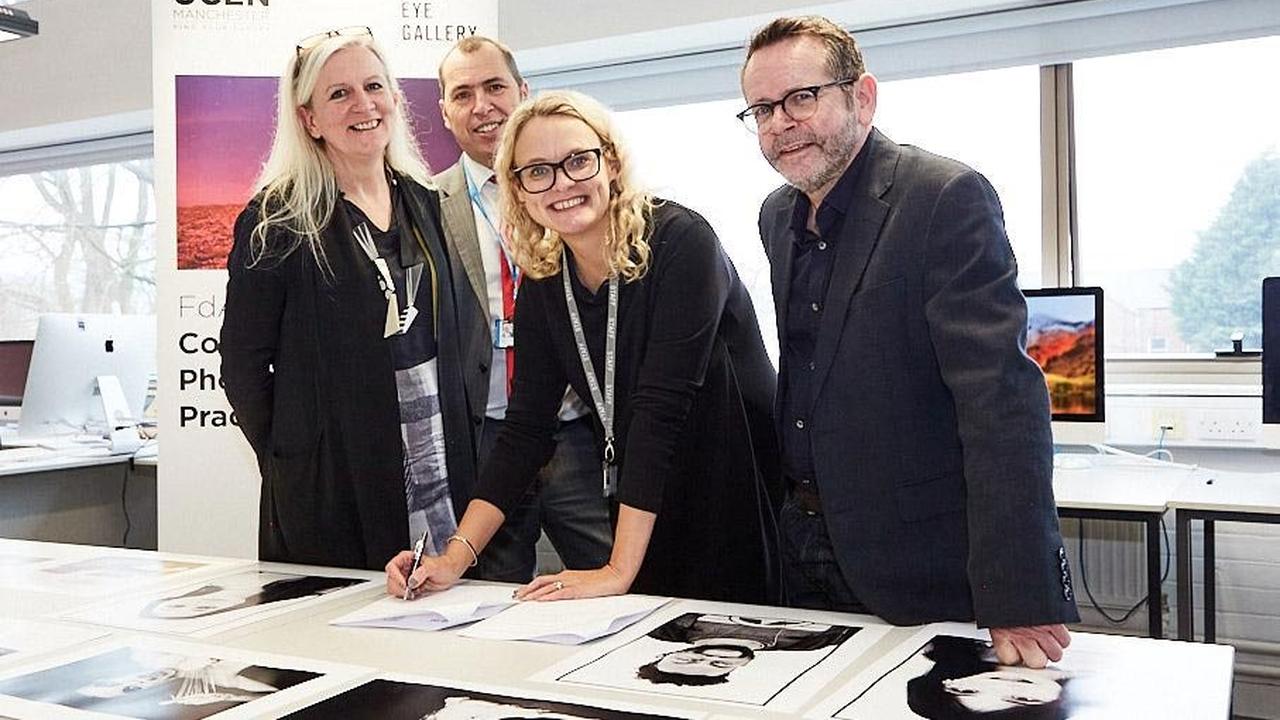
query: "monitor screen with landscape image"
1064, 336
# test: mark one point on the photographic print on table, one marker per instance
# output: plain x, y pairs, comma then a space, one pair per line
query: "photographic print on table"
763, 662
950, 671
18, 637
952, 676
224, 129
105, 572
386, 699
217, 603
159, 680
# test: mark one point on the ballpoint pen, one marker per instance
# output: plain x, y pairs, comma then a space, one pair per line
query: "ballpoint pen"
417, 560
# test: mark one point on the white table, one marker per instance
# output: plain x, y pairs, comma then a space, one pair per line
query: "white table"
79, 493
1209, 496
1115, 487
305, 632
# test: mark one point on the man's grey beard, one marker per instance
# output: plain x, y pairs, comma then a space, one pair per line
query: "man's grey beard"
837, 153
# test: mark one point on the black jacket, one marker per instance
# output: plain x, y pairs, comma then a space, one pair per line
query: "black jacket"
313, 386
694, 389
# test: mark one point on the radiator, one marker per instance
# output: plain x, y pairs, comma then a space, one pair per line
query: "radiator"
1114, 558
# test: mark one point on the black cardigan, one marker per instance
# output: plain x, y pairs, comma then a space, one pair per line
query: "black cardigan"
694, 393
313, 386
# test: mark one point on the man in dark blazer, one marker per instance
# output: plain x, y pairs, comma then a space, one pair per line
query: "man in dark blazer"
915, 429
480, 85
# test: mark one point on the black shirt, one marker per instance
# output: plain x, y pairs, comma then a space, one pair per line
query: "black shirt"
810, 276
419, 344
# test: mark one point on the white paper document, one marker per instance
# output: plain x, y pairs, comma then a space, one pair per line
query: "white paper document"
458, 605
566, 622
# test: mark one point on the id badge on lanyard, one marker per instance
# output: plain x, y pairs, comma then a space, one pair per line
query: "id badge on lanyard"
504, 334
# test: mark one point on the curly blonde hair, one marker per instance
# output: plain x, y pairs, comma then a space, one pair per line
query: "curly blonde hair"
538, 249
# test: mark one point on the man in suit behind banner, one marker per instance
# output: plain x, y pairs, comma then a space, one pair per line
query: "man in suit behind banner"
915, 429
480, 85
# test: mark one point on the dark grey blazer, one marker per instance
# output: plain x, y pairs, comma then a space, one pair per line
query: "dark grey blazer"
457, 218
930, 424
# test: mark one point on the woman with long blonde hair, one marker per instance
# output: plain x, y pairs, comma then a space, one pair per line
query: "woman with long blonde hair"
338, 344
631, 301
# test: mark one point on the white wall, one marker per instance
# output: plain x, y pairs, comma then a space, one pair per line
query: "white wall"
91, 59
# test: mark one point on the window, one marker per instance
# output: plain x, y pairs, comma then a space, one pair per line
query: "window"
701, 156
1178, 193
76, 240
989, 120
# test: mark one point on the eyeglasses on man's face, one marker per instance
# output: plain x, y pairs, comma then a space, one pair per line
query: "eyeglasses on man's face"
577, 166
311, 41
798, 104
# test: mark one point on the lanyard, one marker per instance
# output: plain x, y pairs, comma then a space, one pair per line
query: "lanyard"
603, 401
477, 200
503, 328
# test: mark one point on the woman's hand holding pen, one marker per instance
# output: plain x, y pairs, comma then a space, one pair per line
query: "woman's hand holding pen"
433, 573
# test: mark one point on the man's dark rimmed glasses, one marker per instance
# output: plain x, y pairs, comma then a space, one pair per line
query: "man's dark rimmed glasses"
311, 41
799, 104
578, 166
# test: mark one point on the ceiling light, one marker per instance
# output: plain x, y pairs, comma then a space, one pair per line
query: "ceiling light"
15, 24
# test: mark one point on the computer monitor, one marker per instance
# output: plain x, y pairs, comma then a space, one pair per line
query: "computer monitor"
1064, 336
71, 351
1271, 362
15, 358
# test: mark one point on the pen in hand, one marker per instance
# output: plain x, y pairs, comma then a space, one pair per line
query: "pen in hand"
418, 549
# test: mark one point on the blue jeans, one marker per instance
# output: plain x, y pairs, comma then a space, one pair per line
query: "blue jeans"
566, 501
810, 575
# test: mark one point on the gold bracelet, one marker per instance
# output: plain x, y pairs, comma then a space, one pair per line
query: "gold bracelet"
475, 556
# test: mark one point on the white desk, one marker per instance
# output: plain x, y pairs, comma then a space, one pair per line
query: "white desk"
1178, 675
1112, 487
1208, 496
79, 494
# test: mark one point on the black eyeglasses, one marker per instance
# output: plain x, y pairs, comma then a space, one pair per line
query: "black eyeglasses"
541, 177
311, 41
799, 104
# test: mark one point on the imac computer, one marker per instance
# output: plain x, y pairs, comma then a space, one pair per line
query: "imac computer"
1271, 362
1064, 336
15, 357
80, 360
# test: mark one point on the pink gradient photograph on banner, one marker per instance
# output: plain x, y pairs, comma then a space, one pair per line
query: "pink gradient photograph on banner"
224, 132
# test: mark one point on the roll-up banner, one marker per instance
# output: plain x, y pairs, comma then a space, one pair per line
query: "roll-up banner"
216, 69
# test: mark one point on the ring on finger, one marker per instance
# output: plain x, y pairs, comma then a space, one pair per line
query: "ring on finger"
558, 585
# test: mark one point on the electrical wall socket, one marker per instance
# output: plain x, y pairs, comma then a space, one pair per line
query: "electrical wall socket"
1171, 422
1199, 419
1228, 425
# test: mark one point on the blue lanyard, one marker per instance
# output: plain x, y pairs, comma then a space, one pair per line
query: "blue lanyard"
477, 201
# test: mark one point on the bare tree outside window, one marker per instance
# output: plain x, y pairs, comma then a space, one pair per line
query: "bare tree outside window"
77, 240
1179, 220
